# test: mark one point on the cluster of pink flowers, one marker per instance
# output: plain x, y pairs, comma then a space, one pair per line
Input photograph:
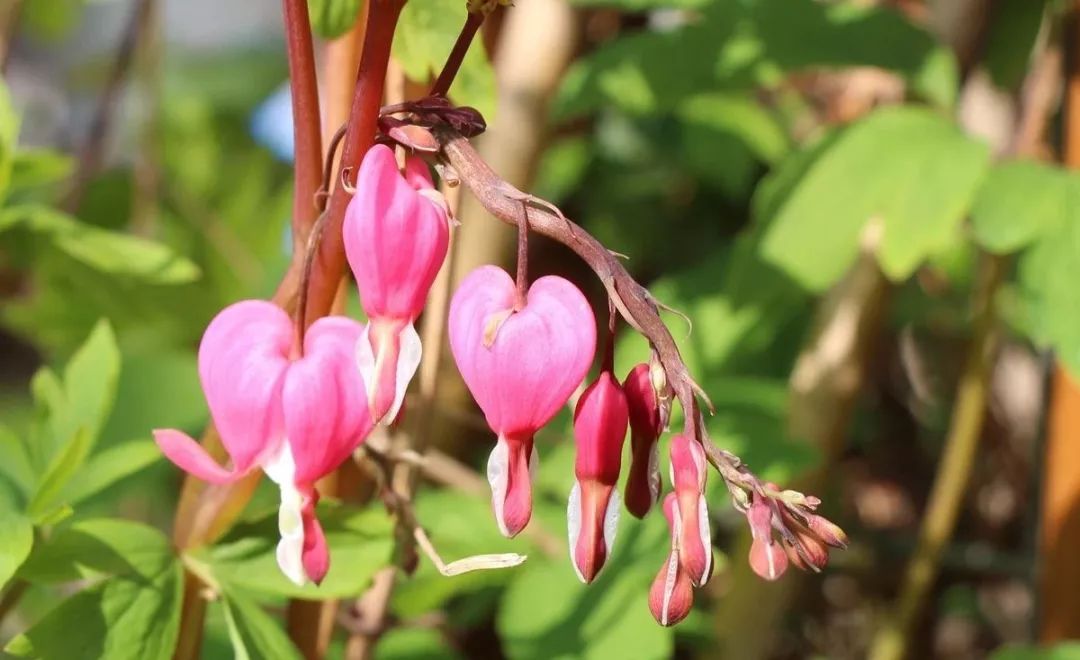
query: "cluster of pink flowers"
298, 412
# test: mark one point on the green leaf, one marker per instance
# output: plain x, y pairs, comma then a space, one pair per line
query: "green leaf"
15, 464
907, 167
131, 615
16, 539
414, 644
9, 135
547, 613
1062, 651
90, 379
740, 116
1015, 25
63, 466
1019, 202
38, 168
333, 18
359, 540
425, 34
107, 251
254, 633
1047, 278
104, 546
109, 466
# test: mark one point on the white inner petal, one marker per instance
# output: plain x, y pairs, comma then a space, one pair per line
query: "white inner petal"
365, 362
281, 468
498, 475
706, 538
669, 585
611, 520
654, 473
573, 525
409, 355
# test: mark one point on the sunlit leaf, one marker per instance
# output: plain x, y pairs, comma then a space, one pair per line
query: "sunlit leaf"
253, 633
333, 18
1018, 202
16, 539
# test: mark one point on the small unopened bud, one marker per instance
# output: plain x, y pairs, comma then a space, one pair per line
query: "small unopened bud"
671, 595
827, 531
767, 558
811, 554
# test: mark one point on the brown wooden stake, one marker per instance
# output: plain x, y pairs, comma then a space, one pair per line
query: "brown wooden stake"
1060, 538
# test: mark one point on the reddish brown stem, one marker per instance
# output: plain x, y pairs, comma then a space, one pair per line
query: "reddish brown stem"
522, 280
457, 54
330, 258
307, 124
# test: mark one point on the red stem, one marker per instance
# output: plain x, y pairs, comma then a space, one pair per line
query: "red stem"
457, 54
360, 135
522, 294
307, 124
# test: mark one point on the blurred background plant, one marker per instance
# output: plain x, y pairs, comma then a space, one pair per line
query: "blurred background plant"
855, 203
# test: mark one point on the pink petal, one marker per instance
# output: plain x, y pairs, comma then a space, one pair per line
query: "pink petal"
600, 421
688, 477
511, 469
671, 595
643, 480
538, 356
326, 417
242, 361
592, 515
316, 556
395, 238
190, 457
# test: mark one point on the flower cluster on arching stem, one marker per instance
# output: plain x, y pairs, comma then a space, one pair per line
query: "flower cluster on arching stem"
297, 409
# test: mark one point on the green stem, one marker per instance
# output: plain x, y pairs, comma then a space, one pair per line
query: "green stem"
954, 470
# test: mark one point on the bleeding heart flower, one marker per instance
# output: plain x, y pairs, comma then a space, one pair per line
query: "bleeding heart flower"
396, 235
646, 424
592, 513
297, 420
521, 367
767, 557
671, 595
688, 476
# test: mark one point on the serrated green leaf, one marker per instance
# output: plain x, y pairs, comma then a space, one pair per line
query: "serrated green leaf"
16, 539
908, 168
253, 633
110, 466
1018, 202
425, 34
63, 466
333, 18
132, 617
359, 540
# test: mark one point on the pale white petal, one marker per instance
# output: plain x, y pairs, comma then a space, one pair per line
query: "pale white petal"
573, 525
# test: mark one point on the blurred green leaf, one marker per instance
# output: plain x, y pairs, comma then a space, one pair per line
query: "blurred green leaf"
1018, 202
1014, 27
359, 540
333, 18
9, 136
37, 168
910, 168
1063, 651
63, 466
109, 466
157, 389
254, 633
107, 251
90, 379
742, 117
97, 547
133, 614
51, 19
547, 613
16, 539
414, 644
15, 463
425, 34
1047, 278
742, 45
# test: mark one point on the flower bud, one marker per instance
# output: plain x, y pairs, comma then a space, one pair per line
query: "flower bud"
521, 370
592, 512
827, 531
688, 476
671, 595
643, 482
767, 557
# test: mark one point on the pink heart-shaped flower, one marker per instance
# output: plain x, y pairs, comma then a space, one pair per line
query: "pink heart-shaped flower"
521, 367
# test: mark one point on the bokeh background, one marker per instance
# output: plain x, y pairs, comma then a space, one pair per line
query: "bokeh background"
863, 208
